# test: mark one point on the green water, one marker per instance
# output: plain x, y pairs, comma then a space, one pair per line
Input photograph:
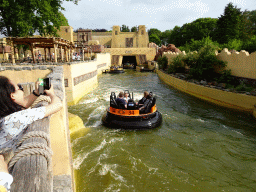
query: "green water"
198, 147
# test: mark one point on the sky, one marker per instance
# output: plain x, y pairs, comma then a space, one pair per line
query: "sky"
160, 14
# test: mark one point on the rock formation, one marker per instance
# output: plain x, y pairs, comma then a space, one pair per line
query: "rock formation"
169, 48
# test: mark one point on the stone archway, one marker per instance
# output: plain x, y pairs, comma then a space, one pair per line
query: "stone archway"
129, 59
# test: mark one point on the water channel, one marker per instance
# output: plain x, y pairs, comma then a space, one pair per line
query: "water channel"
198, 147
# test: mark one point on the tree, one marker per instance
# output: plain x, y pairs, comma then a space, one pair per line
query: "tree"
252, 19
154, 38
134, 29
229, 24
63, 20
165, 36
154, 31
175, 36
125, 28
99, 30
25, 17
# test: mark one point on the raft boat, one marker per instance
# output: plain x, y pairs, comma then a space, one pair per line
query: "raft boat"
130, 118
116, 69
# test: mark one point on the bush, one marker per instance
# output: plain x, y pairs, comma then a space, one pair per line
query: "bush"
198, 44
162, 62
203, 65
235, 44
177, 65
250, 45
244, 87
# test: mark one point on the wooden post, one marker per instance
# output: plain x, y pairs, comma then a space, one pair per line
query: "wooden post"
32, 52
45, 54
72, 52
83, 53
55, 53
12, 52
66, 54
61, 54
69, 54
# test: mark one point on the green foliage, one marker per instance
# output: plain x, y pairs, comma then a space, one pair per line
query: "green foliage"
202, 65
25, 17
134, 29
175, 36
154, 38
235, 44
177, 65
162, 62
196, 30
229, 24
165, 37
63, 20
244, 87
125, 28
226, 77
250, 45
196, 45
154, 31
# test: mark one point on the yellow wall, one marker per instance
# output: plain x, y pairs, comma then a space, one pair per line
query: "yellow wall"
76, 92
223, 98
242, 64
149, 52
140, 38
103, 40
25, 75
66, 32
170, 55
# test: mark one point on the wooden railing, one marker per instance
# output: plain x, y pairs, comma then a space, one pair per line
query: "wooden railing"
33, 171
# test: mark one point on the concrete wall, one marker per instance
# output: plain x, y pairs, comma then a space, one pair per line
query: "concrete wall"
81, 77
232, 100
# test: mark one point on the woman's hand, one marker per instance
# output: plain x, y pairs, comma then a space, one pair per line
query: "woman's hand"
37, 87
50, 92
3, 165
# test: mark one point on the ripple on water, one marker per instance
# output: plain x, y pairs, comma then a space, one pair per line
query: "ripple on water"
198, 147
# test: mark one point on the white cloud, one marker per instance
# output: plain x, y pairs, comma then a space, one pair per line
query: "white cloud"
239, 2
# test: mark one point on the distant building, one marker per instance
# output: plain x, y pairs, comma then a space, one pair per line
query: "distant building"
132, 47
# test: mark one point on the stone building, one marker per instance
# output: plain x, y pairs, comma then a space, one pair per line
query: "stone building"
132, 47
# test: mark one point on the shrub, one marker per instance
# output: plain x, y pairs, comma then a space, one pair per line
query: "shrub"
177, 65
204, 64
162, 62
244, 87
250, 45
198, 44
235, 44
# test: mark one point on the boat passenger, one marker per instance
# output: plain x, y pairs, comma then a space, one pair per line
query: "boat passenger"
126, 97
147, 105
120, 101
144, 98
15, 116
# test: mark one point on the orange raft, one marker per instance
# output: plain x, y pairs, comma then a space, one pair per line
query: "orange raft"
131, 118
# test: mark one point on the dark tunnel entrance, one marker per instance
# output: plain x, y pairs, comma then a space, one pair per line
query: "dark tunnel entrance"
129, 62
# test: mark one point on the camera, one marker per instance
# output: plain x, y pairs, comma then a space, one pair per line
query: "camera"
44, 84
